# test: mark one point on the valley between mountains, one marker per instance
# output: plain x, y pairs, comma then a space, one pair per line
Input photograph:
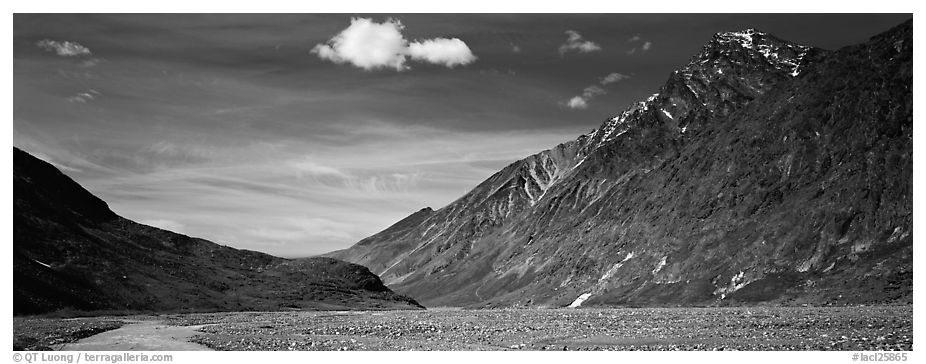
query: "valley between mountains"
72, 254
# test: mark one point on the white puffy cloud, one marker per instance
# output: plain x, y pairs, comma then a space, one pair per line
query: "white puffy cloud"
577, 102
64, 49
448, 52
370, 45
574, 42
367, 44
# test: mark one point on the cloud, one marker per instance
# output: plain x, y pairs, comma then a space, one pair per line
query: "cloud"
309, 167
577, 102
574, 42
165, 154
590, 92
581, 101
390, 183
369, 182
91, 62
84, 97
370, 45
304, 229
643, 48
447, 52
614, 77
64, 49
55, 163
367, 44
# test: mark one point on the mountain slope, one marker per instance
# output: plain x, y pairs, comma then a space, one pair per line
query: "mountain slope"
761, 171
70, 251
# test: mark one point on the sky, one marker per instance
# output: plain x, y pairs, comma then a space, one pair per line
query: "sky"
300, 134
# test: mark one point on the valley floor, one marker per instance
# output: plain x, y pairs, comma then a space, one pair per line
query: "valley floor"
741, 328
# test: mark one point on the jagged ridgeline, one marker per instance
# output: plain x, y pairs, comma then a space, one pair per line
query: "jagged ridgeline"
761, 171
72, 253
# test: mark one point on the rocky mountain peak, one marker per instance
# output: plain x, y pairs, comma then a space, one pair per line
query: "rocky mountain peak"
748, 46
744, 37
729, 71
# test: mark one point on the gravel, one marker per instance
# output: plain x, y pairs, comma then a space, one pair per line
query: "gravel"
859, 328
48, 333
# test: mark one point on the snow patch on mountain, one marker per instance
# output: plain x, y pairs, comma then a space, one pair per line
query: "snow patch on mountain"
43, 264
629, 255
662, 263
737, 282
579, 300
666, 113
610, 273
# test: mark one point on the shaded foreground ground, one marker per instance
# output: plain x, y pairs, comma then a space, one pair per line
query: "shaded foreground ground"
742, 328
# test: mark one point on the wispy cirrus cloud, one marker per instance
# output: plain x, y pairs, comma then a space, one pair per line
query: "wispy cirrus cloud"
84, 97
309, 167
575, 42
63, 48
370, 45
300, 228
91, 62
363, 180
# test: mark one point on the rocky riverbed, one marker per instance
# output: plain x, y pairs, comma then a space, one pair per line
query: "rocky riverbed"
742, 328
855, 328
31, 333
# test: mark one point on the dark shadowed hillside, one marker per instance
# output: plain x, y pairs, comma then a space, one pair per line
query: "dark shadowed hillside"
762, 171
70, 251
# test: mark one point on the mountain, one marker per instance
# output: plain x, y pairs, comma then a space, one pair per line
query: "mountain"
761, 171
71, 252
